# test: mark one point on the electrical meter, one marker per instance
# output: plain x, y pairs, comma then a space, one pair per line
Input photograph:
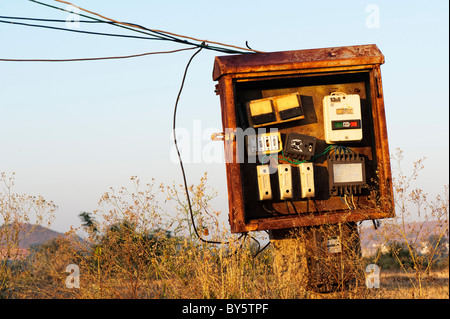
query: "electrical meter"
342, 117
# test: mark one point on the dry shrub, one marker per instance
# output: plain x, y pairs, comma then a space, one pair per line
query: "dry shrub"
20, 214
141, 243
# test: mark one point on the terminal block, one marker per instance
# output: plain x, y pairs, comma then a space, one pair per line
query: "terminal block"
347, 174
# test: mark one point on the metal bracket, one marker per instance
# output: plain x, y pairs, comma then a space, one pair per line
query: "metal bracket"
221, 137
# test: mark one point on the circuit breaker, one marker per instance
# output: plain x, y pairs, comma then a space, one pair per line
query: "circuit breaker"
272, 110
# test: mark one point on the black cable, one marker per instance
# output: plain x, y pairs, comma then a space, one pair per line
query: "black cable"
79, 31
94, 59
257, 241
315, 204
53, 20
287, 207
88, 32
273, 211
161, 35
295, 208
179, 155
267, 245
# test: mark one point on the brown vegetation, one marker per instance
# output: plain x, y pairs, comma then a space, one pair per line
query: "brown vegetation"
136, 249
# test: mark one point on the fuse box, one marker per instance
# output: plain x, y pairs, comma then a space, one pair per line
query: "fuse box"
329, 157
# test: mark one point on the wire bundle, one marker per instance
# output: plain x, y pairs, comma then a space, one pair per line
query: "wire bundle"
338, 149
145, 34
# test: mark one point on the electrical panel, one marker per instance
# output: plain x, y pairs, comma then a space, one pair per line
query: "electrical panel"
342, 117
314, 146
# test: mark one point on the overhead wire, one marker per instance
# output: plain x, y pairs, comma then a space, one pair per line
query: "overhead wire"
159, 31
95, 59
79, 31
92, 18
156, 35
163, 35
53, 20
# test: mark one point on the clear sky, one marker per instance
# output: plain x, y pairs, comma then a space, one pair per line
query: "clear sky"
72, 130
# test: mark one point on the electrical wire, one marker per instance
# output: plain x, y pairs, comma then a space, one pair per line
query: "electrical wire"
158, 31
79, 31
295, 208
315, 205
92, 18
353, 202
94, 59
157, 35
179, 155
273, 211
257, 242
267, 245
52, 20
162, 35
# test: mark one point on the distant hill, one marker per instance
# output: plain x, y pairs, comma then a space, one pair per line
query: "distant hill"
417, 233
31, 235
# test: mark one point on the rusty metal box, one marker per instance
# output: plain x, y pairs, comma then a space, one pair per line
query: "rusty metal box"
312, 74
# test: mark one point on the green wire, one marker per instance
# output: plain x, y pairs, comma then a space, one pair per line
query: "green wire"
292, 162
337, 149
324, 152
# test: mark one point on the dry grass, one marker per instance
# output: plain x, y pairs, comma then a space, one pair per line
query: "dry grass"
136, 249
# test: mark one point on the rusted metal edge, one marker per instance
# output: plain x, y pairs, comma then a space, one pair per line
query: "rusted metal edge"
298, 59
323, 219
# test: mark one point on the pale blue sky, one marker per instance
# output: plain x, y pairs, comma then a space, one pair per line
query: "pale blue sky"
72, 130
